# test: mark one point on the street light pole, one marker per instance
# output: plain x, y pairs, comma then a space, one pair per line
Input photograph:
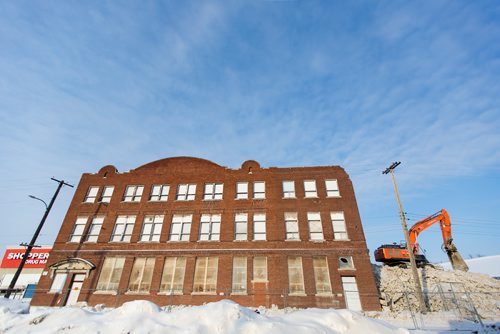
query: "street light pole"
30, 246
409, 247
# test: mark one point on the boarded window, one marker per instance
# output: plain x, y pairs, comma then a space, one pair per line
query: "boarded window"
172, 280
239, 275
345, 262
205, 275
260, 269
295, 275
141, 275
321, 275
111, 273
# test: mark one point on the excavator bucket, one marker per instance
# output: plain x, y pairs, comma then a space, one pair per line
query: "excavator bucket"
456, 259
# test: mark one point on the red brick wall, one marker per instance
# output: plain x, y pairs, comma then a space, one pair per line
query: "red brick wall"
174, 171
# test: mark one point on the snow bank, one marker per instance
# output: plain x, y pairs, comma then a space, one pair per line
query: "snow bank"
220, 317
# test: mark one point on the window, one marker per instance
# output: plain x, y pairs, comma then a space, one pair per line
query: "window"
151, 228
288, 189
345, 262
172, 279
242, 190
210, 227
259, 226
107, 193
213, 191
205, 275
123, 228
240, 226
181, 228
310, 189
78, 228
110, 274
291, 226
141, 275
95, 229
58, 282
295, 275
239, 275
159, 193
315, 227
133, 193
351, 293
321, 275
91, 195
259, 189
338, 223
332, 188
186, 192
260, 269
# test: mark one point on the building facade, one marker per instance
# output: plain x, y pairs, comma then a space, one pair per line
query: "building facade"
188, 231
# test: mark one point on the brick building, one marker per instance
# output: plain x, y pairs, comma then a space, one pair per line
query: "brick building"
187, 231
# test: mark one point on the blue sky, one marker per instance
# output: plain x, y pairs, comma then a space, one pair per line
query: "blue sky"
287, 83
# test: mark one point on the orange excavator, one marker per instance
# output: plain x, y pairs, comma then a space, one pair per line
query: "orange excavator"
394, 254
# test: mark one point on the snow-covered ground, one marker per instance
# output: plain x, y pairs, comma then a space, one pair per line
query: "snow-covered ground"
220, 317
489, 265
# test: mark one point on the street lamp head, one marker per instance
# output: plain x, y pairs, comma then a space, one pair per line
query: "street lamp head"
39, 199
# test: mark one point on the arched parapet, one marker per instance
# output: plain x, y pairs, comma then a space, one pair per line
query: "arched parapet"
250, 166
72, 265
178, 163
107, 171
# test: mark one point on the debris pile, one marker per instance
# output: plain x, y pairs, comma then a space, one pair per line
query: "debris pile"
455, 291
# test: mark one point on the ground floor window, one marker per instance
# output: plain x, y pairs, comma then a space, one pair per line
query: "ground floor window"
172, 280
205, 275
142, 273
321, 275
110, 274
239, 274
58, 282
295, 275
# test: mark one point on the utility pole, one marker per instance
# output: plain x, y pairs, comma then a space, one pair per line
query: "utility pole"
30, 246
409, 247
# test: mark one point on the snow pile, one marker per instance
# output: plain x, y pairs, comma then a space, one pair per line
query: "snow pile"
444, 290
489, 265
220, 317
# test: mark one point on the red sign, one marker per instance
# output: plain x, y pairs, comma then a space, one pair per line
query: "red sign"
37, 258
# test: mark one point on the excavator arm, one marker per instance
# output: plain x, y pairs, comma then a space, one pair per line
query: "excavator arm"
443, 218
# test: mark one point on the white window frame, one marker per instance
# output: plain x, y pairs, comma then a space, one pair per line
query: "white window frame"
133, 193
213, 191
291, 226
151, 228
288, 189
320, 267
78, 229
144, 272
332, 188
107, 193
91, 195
315, 226
159, 193
310, 189
259, 189
295, 266
95, 229
339, 225
184, 221
210, 227
241, 190
257, 266
204, 271
186, 192
241, 219
123, 234
115, 272
239, 279
259, 221
177, 271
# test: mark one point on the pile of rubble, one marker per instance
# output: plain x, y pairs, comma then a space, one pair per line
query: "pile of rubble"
443, 290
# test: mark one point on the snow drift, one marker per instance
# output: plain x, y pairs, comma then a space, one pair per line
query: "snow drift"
220, 317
